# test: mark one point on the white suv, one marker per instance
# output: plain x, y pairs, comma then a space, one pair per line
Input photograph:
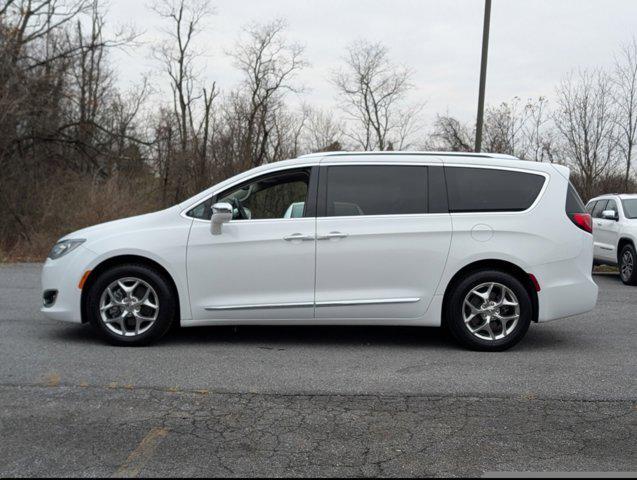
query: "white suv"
481, 244
615, 233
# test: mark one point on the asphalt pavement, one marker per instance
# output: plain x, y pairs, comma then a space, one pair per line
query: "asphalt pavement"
327, 401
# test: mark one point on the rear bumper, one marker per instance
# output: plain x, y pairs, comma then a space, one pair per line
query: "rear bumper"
567, 287
566, 300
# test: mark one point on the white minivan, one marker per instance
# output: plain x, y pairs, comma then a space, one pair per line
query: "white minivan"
481, 244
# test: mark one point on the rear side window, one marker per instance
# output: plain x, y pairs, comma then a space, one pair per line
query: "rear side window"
491, 190
353, 190
630, 207
574, 202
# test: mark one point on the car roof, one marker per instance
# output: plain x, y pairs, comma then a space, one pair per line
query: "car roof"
444, 158
607, 196
398, 154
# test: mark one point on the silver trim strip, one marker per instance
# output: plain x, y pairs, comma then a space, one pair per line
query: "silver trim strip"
260, 305
375, 301
336, 303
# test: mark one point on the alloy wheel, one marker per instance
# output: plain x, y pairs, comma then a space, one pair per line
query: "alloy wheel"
627, 265
491, 311
129, 306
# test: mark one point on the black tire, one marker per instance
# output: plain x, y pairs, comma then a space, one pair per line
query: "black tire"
165, 296
627, 274
454, 320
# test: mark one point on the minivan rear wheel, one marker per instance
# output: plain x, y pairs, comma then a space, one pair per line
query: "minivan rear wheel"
628, 265
131, 305
488, 310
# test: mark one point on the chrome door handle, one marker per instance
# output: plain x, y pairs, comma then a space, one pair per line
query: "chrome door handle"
298, 236
332, 235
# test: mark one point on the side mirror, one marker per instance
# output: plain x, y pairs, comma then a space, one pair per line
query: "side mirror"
610, 215
221, 213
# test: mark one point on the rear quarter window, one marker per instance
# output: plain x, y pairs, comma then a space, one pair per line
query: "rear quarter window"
491, 190
574, 203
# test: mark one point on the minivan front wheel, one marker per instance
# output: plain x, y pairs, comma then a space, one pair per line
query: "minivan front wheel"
131, 305
489, 311
628, 265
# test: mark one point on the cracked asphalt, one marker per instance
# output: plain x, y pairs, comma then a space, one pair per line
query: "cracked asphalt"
314, 401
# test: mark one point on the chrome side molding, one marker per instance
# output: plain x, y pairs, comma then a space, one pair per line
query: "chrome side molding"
261, 305
374, 301
335, 303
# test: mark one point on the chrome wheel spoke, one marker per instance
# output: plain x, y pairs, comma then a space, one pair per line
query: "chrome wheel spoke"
487, 327
128, 289
107, 307
474, 311
146, 300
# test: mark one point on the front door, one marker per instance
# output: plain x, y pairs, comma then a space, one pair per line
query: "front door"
261, 266
380, 253
607, 233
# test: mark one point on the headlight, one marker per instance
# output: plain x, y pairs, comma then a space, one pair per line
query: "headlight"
65, 246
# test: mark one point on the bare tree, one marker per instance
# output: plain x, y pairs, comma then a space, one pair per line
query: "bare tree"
520, 129
504, 127
625, 94
373, 91
539, 133
31, 21
585, 118
323, 132
178, 55
449, 134
269, 64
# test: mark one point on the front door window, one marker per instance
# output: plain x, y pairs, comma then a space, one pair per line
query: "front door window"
280, 195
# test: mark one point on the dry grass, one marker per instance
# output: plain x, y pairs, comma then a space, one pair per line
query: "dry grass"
70, 205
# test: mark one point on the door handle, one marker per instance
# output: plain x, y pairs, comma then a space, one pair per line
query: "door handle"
298, 236
332, 235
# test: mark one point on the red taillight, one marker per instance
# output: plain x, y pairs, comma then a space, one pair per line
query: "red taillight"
583, 221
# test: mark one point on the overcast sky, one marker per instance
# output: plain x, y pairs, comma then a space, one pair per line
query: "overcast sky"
533, 42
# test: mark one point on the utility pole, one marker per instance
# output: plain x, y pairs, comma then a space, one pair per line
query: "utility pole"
483, 73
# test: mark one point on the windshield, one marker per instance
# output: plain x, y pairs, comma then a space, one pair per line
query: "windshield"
630, 207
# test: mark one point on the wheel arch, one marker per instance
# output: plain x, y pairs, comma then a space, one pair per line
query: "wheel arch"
114, 261
493, 264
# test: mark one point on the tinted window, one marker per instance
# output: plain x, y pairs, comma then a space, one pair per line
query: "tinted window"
612, 205
630, 207
600, 206
590, 207
203, 211
574, 202
491, 190
376, 190
281, 195
268, 197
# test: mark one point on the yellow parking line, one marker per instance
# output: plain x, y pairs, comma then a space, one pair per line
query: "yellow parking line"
140, 456
52, 379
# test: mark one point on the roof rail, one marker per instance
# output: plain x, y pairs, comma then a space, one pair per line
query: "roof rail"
437, 154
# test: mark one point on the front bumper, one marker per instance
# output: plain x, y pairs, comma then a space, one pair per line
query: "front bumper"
63, 275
